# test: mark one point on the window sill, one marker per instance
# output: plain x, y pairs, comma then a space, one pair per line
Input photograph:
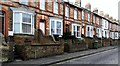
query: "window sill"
23, 34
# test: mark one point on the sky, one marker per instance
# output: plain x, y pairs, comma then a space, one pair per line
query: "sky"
108, 6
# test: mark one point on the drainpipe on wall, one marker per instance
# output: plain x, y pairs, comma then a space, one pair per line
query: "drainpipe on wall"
63, 16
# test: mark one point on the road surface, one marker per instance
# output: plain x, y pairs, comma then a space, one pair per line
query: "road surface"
106, 57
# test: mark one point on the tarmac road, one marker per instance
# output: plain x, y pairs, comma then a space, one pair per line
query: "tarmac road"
106, 57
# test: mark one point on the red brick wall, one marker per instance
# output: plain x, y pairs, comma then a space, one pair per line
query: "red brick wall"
79, 15
86, 15
91, 17
71, 12
61, 9
34, 3
6, 21
49, 6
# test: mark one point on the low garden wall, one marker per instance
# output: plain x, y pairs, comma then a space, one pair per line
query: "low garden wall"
89, 42
73, 46
99, 42
26, 52
105, 42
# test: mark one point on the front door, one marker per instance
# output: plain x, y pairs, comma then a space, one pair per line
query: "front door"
2, 22
42, 26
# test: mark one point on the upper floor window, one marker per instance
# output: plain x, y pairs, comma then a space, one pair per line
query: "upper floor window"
66, 11
75, 14
82, 15
98, 21
42, 4
88, 17
25, 2
106, 24
56, 7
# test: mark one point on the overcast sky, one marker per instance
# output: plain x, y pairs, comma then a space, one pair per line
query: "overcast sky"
108, 6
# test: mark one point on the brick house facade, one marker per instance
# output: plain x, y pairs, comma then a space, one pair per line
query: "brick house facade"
52, 18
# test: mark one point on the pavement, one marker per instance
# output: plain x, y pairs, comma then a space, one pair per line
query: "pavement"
60, 58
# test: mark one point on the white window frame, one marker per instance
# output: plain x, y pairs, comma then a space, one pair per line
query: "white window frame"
83, 15
88, 17
55, 7
113, 35
32, 22
93, 19
42, 4
66, 11
83, 30
76, 25
75, 14
55, 27
88, 32
116, 35
99, 33
91, 32
25, 2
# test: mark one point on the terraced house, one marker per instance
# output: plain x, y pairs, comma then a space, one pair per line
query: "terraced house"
31, 22
39, 25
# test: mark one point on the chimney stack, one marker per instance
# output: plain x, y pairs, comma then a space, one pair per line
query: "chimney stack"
110, 18
78, 3
88, 6
101, 13
106, 16
95, 10
114, 20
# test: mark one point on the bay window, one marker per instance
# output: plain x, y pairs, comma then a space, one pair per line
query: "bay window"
83, 30
89, 31
76, 30
56, 26
99, 32
75, 14
42, 4
25, 2
23, 21
56, 7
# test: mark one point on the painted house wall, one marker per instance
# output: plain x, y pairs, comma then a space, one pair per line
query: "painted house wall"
104, 24
105, 27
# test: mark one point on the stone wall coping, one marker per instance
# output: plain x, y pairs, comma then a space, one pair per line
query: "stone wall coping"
45, 45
